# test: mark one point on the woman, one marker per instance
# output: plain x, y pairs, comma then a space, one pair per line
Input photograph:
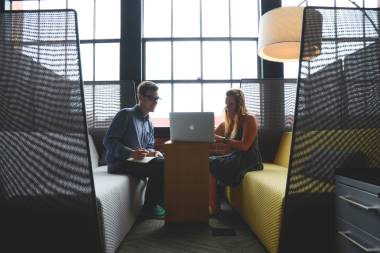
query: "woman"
238, 138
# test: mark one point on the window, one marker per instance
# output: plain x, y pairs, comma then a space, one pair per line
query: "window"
291, 68
196, 50
99, 33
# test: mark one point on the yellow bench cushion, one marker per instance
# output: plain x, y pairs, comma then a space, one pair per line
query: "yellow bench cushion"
259, 199
283, 150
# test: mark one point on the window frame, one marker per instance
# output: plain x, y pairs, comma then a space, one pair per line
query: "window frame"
92, 41
201, 39
132, 51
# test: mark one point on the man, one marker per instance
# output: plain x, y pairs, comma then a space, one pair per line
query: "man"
131, 138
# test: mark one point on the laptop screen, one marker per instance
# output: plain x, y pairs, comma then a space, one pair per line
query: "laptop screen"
192, 126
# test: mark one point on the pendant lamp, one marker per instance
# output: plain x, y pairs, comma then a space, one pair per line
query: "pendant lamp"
280, 34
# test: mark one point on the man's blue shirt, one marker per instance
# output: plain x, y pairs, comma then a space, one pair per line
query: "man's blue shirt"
129, 130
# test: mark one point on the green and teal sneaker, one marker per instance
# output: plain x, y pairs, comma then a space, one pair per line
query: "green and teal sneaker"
158, 212
153, 211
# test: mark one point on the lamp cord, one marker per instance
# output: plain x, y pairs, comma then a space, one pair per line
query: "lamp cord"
302, 2
357, 6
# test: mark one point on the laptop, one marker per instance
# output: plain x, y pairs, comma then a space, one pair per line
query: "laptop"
192, 126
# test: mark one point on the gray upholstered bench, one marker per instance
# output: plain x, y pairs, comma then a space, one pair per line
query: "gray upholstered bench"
119, 198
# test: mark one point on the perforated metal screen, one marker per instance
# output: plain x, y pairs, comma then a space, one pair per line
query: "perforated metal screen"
337, 120
47, 200
278, 94
272, 101
105, 98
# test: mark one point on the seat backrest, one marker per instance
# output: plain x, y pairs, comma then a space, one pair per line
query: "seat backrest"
336, 120
47, 195
272, 101
283, 151
97, 135
93, 152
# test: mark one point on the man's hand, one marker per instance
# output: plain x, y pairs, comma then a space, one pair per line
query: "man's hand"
155, 154
139, 154
158, 154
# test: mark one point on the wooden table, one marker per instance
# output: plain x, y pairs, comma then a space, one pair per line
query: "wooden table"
186, 181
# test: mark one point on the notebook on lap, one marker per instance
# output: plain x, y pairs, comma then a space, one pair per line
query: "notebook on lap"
192, 126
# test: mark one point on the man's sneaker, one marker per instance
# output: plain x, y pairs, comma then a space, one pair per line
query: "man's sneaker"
158, 212
155, 212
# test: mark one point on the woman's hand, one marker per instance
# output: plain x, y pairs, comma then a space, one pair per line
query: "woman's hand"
219, 139
221, 149
225, 148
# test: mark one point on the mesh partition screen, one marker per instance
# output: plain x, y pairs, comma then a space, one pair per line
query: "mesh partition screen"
272, 101
104, 99
47, 200
337, 120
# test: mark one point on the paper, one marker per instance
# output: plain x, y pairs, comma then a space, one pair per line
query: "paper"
144, 160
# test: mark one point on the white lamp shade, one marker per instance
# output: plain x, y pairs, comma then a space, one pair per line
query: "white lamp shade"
280, 34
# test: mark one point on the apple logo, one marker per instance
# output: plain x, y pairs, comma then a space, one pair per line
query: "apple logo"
192, 127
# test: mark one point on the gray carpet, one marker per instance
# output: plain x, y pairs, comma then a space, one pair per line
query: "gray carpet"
150, 235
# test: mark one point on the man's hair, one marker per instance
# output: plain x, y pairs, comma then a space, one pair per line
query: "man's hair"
145, 86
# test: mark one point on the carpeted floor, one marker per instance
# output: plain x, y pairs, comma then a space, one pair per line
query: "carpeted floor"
224, 233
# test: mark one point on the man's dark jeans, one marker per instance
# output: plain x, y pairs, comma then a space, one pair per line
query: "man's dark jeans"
153, 170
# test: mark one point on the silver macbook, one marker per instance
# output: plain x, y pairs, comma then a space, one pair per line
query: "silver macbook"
192, 126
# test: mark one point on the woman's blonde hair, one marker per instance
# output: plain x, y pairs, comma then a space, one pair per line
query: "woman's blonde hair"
241, 110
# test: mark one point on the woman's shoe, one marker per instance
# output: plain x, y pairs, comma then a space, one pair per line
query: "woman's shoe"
213, 210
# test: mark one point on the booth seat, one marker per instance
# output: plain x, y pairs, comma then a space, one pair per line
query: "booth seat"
119, 197
259, 199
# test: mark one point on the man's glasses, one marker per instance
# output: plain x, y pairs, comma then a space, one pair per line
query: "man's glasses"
152, 98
